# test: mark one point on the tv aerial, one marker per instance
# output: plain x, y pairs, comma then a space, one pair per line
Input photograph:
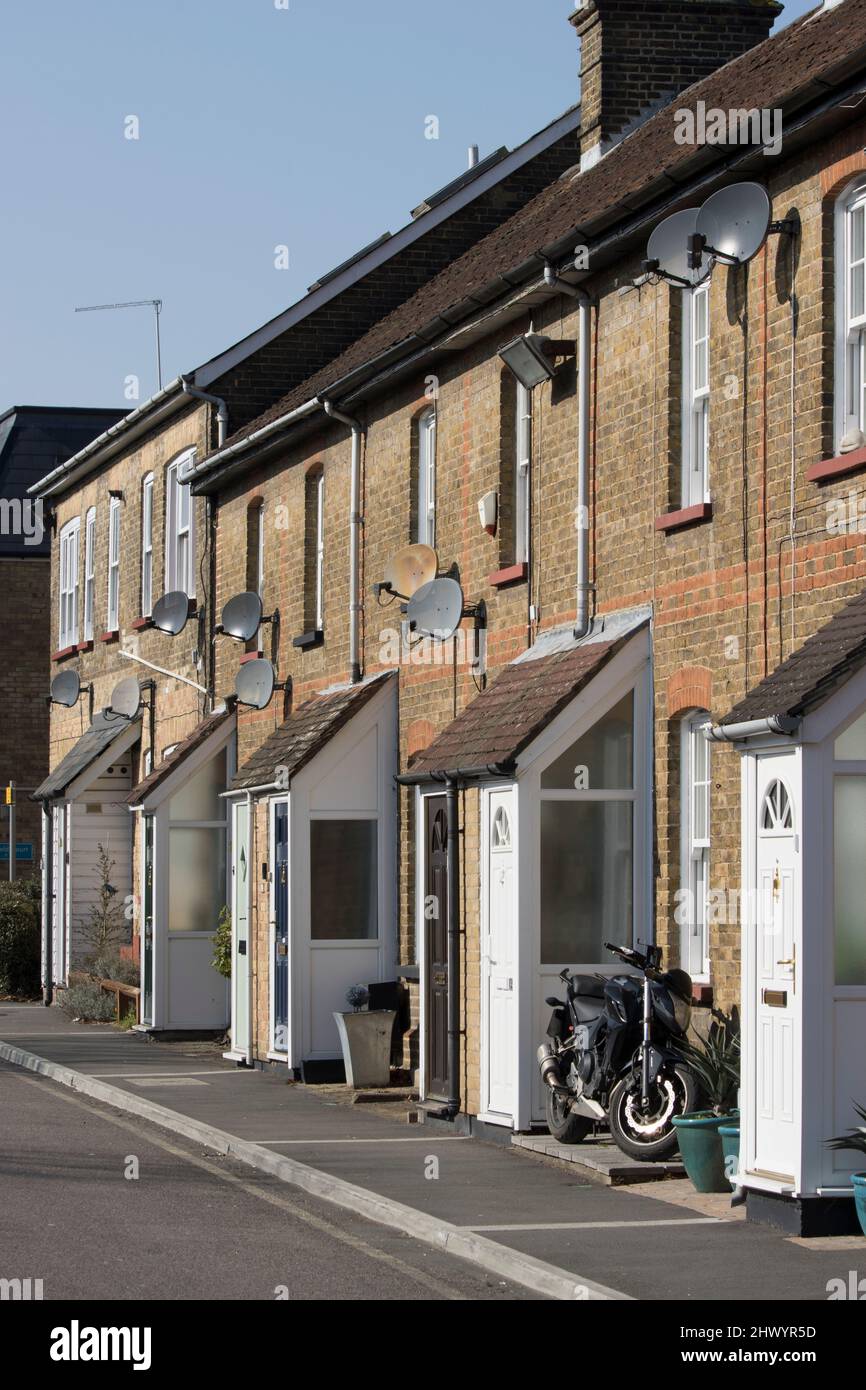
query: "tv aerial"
126, 703
668, 251
243, 616
408, 571
170, 613
255, 684
66, 688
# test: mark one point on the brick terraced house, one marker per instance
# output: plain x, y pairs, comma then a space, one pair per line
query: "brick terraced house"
647, 478
140, 758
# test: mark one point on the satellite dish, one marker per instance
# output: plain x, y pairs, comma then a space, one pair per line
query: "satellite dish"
66, 688
171, 612
669, 248
254, 685
436, 609
242, 616
411, 567
126, 698
735, 221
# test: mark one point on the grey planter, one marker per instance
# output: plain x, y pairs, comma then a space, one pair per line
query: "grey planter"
366, 1042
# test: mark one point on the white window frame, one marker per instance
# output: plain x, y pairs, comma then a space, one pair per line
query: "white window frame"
177, 575
850, 374
68, 588
113, 622
89, 572
522, 473
147, 546
320, 550
696, 398
427, 478
260, 567
694, 846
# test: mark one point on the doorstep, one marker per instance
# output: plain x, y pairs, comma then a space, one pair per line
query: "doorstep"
603, 1161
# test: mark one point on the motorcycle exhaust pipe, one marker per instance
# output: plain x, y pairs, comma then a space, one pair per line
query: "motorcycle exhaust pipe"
549, 1067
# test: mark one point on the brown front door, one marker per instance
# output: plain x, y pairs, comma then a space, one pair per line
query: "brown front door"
436, 934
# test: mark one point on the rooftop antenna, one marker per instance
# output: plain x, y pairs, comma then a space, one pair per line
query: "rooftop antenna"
154, 304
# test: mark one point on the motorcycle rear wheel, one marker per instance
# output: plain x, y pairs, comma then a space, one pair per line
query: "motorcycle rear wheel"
652, 1138
562, 1122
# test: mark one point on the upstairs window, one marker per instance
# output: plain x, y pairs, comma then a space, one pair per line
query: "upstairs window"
314, 551
696, 396
89, 571
851, 314
113, 623
179, 527
147, 546
256, 562
69, 583
320, 552
427, 478
522, 475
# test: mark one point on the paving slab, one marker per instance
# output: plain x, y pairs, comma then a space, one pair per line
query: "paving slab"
603, 1161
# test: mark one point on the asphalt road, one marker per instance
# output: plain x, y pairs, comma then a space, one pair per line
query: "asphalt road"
100, 1206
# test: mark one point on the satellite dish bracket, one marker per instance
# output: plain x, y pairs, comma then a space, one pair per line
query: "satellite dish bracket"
654, 268
785, 227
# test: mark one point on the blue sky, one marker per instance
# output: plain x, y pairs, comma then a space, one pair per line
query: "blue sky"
258, 127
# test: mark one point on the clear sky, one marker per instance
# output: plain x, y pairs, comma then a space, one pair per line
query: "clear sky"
260, 123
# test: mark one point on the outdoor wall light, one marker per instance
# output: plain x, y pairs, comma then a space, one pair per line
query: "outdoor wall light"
532, 358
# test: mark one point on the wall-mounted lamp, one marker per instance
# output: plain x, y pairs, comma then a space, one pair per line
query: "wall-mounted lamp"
532, 358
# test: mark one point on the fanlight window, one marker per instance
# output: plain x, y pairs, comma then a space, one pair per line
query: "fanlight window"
501, 830
777, 813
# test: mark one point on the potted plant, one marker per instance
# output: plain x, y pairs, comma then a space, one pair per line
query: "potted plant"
365, 1037
855, 1140
706, 1152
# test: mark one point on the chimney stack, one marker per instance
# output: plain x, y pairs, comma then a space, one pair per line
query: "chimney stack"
637, 55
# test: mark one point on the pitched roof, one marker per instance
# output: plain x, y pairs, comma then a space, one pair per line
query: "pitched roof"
812, 673
305, 733
495, 728
801, 60
92, 744
200, 734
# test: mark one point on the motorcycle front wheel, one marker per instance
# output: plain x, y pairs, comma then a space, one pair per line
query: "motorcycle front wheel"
650, 1135
563, 1124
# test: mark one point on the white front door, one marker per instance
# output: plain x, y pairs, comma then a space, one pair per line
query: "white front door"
499, 960
777, 933
241, 1033
59, 961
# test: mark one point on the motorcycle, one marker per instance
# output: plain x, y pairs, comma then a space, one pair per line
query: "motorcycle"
613, 1056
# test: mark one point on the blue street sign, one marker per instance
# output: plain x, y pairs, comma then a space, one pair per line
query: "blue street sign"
22, 852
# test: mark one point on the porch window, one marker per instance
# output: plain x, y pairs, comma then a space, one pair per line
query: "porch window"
113, 622
427, 478
696, 395
179, 527
197, 848
344, 899
147, 546
89, 570
695, 846
851, 312
68, 627
587, 841
849, 818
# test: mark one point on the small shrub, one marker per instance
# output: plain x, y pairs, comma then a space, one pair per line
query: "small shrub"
105, 927
20, 937
111, 965
222, 945
128, 1021
88, 1003
358, 996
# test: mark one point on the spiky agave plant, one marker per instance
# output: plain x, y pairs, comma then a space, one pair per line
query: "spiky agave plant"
855, 1138
716, 1064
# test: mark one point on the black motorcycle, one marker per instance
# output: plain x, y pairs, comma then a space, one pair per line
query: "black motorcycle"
613, 1056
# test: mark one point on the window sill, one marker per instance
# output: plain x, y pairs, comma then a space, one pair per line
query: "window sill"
110, 636
251, 656
408, 972
63, 653
141, 623
309, 639
85, 646
512, 574
685, 516
839, 467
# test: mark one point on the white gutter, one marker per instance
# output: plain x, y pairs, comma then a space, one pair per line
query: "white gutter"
584, 588
753, 728
222, 410
223, 455
354, 537
253, 791
118, 435
172, 675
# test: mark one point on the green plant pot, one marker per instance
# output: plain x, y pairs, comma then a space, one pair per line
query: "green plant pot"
701, 1149
859, 1181
730, 1137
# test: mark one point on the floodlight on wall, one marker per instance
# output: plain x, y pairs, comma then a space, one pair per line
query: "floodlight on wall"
532, 358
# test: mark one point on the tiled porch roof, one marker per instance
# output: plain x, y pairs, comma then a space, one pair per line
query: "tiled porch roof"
305, 733
182, 750
503, 720
812, 672
92, 744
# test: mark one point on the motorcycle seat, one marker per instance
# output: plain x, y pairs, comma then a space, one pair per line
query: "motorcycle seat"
588, 986
588, 1009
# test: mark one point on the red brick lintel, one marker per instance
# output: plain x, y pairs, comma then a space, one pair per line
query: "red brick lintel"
828, 469
686, 516
512, 574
